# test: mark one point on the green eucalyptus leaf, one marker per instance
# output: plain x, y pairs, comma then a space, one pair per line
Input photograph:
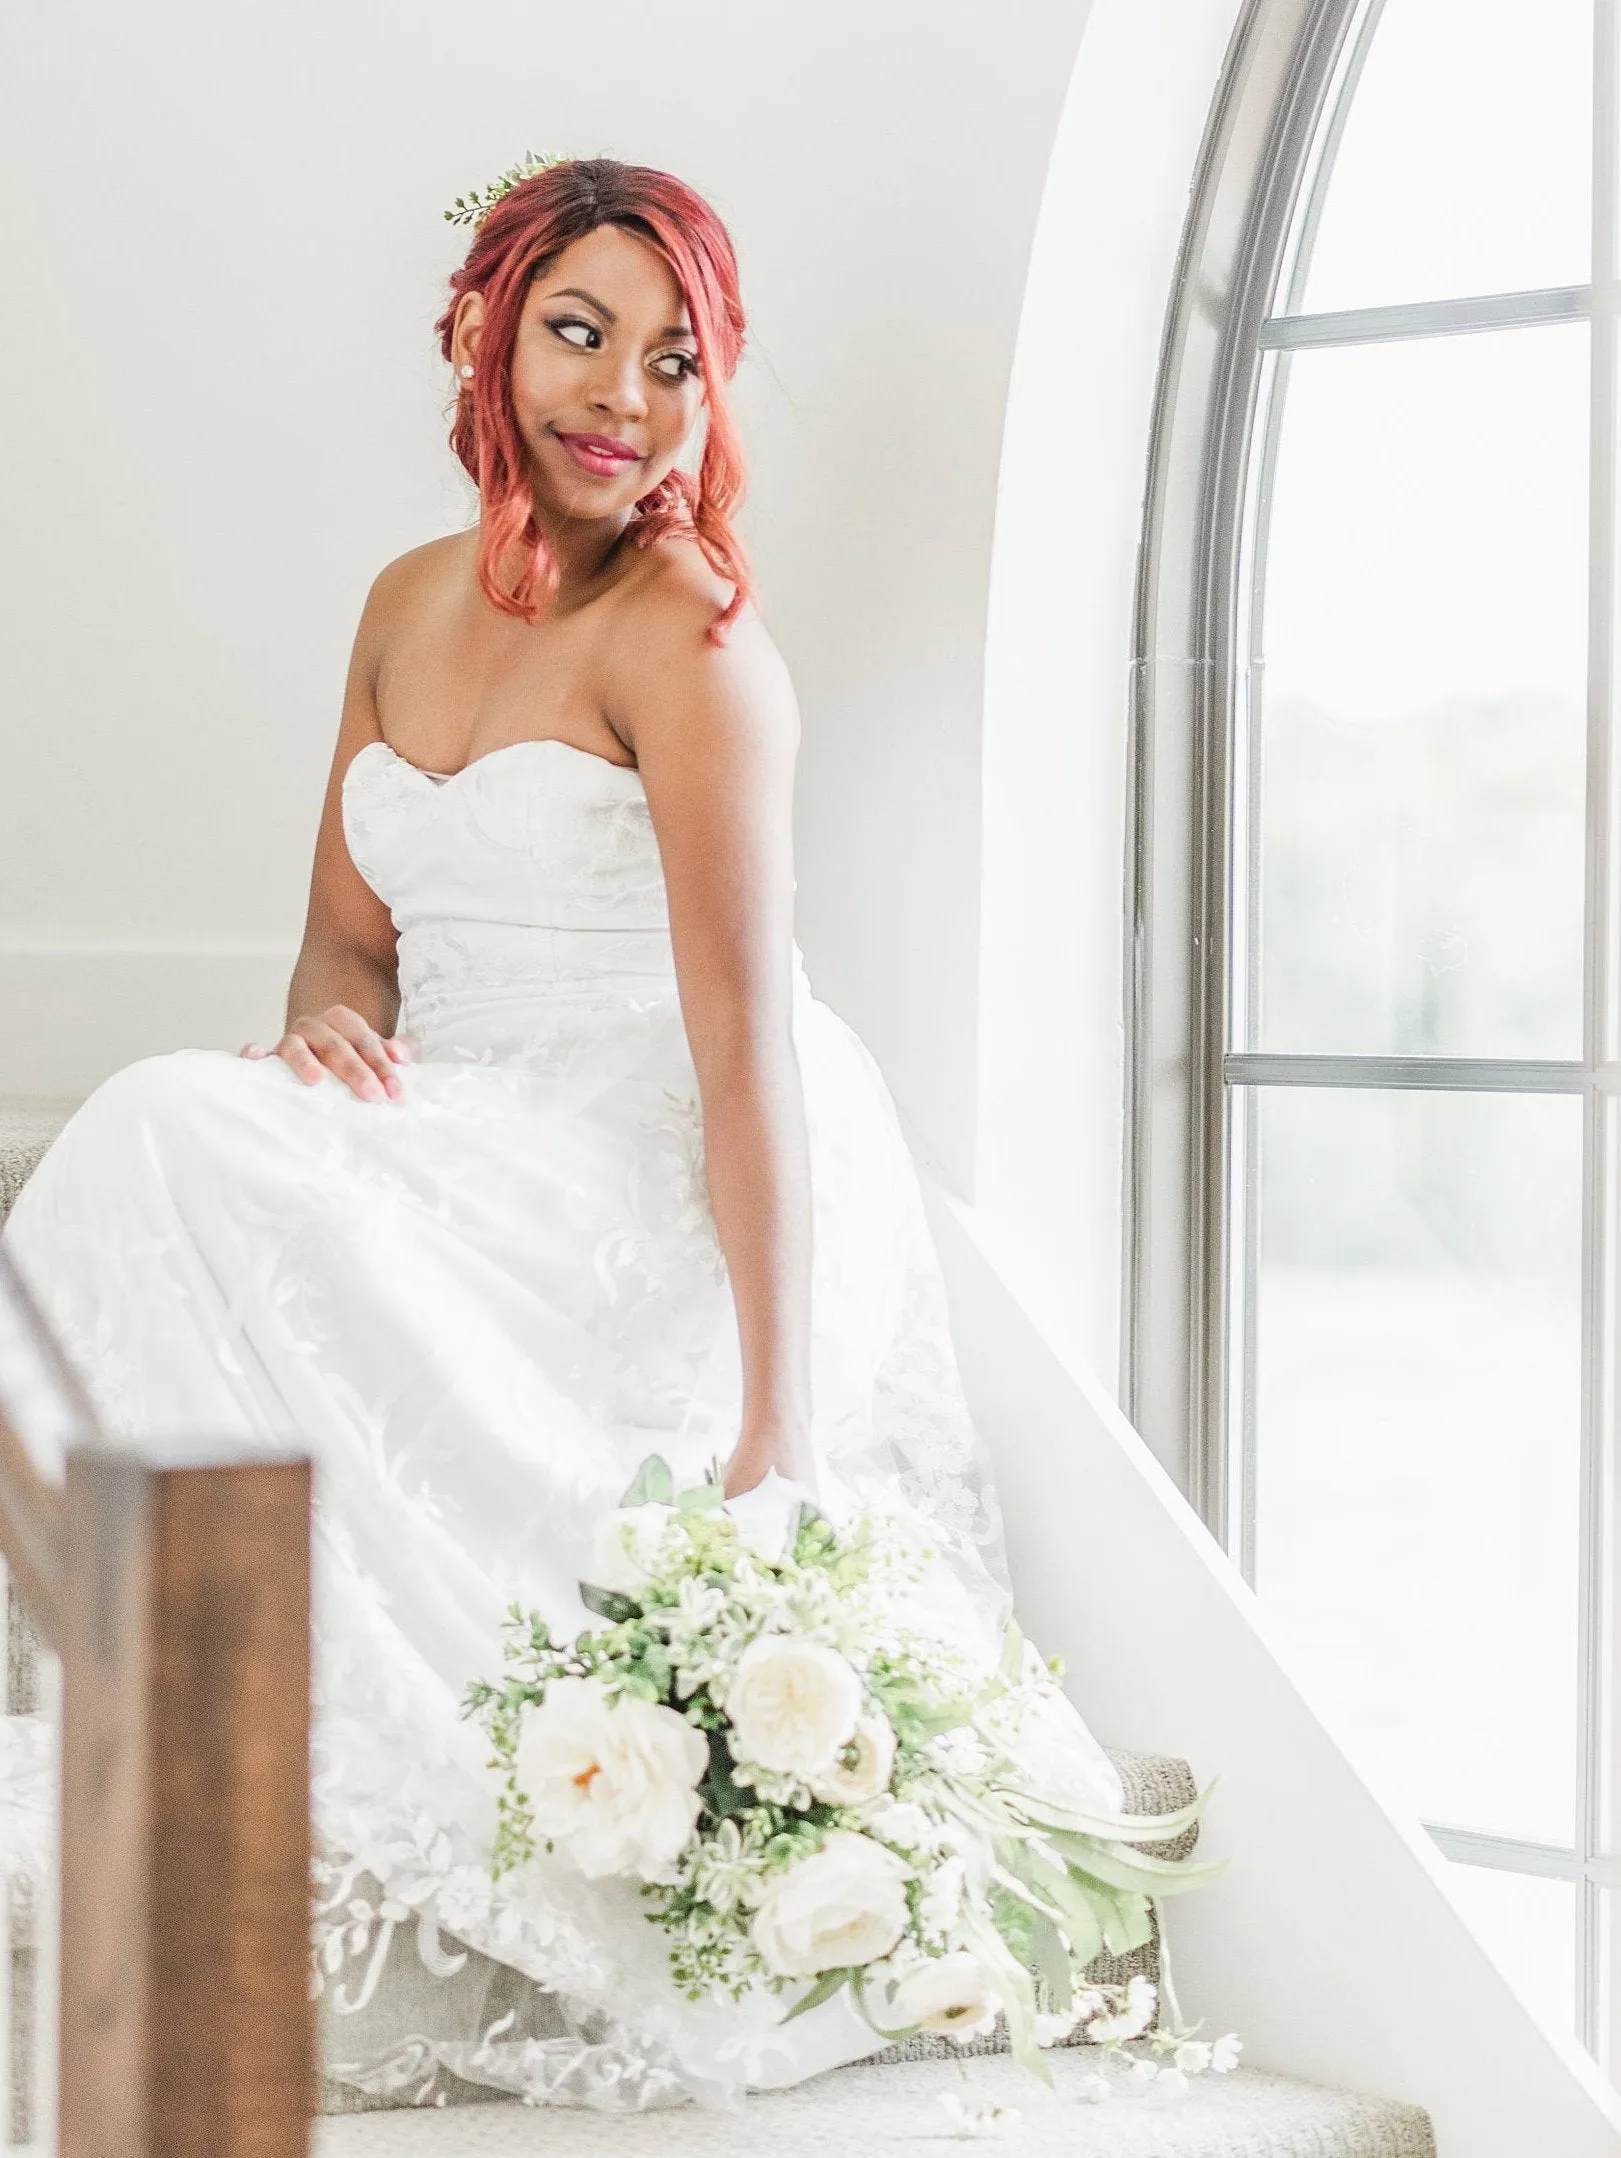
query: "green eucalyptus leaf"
700, 1499
608, 1604
1136, 1871
722, 1793
1116, 1827
1127, 1920
1052, 1963
652, 1485
1079, 1913
824, 1989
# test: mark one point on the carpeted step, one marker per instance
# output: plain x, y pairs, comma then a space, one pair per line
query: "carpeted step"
896, 2112
28, 1124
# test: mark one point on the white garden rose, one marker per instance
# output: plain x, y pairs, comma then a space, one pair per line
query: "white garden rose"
948, 1993
612, 1781
861, 1768
624, 1544
845, 1904
793, 1704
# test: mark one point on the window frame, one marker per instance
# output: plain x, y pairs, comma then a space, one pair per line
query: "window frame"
1258, 191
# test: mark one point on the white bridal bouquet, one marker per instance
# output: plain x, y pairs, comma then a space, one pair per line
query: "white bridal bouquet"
815, 1794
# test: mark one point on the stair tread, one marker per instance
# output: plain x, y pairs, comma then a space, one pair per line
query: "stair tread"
28, 1124
871, 2112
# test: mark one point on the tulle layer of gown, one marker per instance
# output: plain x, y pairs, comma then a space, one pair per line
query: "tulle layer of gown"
480, 1308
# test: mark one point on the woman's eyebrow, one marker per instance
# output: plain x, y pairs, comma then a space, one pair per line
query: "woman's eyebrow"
573, 292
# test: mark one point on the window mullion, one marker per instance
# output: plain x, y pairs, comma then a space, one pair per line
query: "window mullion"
1598, 1952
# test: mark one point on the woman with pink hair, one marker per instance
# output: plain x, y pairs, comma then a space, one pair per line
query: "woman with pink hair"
557, 1163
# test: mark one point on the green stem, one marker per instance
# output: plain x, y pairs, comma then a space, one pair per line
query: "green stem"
1167, 1988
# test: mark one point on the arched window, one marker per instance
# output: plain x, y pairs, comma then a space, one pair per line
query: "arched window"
1378, 719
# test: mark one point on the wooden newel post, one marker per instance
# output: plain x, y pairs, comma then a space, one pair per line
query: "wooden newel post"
186, 2025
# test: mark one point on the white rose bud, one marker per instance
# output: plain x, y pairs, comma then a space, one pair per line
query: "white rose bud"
793, 1704
862, 1767
845, 1904
623, 1545
614, 1782
949, 1993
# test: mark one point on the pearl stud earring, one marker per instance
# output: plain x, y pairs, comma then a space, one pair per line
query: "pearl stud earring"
466, 370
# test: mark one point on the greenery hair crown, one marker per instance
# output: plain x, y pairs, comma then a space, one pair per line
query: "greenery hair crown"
474, 208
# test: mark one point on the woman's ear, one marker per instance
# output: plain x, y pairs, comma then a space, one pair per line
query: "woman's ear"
468, 328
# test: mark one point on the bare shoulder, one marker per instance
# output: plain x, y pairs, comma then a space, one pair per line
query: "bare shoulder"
663, 669
419, 573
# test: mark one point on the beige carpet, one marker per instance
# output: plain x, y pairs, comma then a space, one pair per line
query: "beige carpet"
28, 1124
882, 2112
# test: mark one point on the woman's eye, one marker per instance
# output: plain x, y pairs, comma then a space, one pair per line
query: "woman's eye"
686, 364
569, 322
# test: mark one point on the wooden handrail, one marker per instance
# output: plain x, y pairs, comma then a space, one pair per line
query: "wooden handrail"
174, 1583
187, 2027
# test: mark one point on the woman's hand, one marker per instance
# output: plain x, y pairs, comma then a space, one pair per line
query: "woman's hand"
338, 1040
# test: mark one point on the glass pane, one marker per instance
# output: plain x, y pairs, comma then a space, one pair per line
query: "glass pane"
1529, 1925
1421, 704
1416, 1429
1466, 161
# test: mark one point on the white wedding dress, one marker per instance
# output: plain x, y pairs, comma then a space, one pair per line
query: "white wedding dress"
480, 1308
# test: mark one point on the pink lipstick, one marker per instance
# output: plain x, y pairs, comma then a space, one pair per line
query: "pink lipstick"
604, 455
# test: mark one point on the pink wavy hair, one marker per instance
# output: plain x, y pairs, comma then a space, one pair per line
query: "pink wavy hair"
516, 240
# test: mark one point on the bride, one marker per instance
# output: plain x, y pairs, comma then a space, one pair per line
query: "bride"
558, 1163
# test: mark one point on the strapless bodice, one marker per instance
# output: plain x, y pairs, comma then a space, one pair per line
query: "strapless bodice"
539, 834
523, 887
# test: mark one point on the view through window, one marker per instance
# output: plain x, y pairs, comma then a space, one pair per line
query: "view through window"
1419, 1057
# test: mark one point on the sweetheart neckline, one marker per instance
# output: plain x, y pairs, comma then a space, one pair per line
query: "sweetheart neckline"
441, 780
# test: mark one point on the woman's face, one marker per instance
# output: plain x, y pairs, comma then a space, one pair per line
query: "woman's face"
605, 381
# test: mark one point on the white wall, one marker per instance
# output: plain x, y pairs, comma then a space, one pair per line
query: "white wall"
1059, 653
223, 413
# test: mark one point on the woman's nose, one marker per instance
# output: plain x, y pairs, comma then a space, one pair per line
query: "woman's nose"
616, 386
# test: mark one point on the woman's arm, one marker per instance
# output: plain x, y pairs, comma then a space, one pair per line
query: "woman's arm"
715, 731
343, 999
